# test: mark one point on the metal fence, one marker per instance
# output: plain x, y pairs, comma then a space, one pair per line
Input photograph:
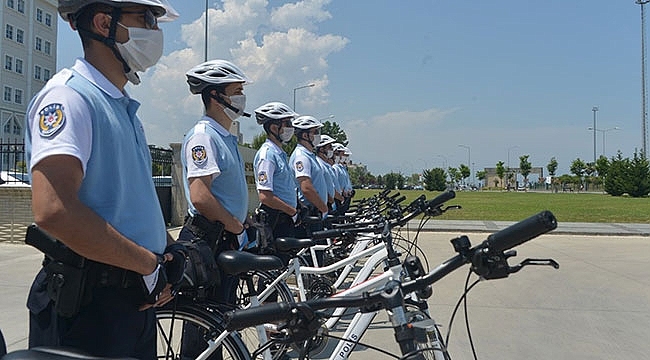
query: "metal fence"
12, 162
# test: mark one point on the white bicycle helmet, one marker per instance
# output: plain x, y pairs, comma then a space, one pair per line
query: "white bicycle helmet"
325, 140
161, 8
306, 122
347, 151
337, 147
273, 111
214, 72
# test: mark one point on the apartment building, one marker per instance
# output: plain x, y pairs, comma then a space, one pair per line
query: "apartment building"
28, 55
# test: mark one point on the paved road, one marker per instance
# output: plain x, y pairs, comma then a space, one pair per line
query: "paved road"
596, 306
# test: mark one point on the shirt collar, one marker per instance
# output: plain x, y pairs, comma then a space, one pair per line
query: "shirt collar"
215, 125
88, 71
275, 146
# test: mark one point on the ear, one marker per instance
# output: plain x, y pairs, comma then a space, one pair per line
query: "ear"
102, 23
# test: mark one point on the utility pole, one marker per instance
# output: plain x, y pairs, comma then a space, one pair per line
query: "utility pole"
644, 95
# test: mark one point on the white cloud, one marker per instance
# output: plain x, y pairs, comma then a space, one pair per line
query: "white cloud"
257, 38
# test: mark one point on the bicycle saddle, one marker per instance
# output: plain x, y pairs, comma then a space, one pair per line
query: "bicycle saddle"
287, 244
239, 262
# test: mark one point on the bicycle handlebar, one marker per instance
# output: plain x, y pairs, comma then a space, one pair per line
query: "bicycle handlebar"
521, 232
503, 240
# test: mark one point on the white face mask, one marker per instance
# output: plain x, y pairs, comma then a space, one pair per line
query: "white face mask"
337, 159
143, 50
316, 140
238, 102
329, 153
286, 134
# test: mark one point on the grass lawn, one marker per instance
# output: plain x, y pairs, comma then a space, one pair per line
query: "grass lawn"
514, 206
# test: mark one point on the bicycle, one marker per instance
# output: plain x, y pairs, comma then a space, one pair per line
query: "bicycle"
257, 296
417, 340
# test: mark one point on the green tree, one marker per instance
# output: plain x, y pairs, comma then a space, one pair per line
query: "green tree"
392, 180
552, 166
435, 179
501, 170
464, 172
454, 175
524, 167
481, 175
638, 184
615, 181
334, 130
258, 140
602, 166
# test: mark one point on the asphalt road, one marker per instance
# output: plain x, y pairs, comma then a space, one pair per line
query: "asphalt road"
596, 306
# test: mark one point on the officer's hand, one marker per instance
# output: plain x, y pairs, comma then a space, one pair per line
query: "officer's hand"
295, 218
154, 283
175, 259
165, 296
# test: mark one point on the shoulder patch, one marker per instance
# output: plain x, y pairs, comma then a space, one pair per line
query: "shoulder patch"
262, 178
199, 156
299, 166
51, 119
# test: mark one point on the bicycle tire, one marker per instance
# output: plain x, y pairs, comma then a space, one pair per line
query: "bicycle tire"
435, 341
281, 293
170, 321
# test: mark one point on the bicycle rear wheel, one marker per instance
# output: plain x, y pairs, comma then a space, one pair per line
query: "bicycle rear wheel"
206, 324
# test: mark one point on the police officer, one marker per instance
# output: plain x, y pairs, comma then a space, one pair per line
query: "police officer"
274, 178
310, 176
92, 188
325, 156
340, 160
213, 170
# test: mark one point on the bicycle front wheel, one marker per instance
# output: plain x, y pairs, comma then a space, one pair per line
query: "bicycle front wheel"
197, 326
434, 347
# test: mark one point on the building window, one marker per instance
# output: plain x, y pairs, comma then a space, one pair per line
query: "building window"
46, 74
9, 63
17, 128
9, 32
10, 3
18, 96
7, 94
21, 6
39, 44
37, 72
19, 66
7, 127
48, 47
48, 19
20, 36
39, 15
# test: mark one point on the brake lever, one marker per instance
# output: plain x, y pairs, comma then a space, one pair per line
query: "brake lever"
542, 262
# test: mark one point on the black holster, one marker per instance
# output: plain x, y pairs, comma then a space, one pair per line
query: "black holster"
211, 232
68, 281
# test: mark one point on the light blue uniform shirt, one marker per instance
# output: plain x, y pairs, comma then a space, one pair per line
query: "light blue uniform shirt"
273, 173
344, 177
209, 149
330, 179
117, 182
304, 163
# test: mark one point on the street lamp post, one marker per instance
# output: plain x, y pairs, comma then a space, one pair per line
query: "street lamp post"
595, 110
603, 131
298, 88
644, 95
469, 158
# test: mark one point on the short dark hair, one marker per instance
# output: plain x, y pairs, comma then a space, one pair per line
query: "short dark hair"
83, 19
205, 94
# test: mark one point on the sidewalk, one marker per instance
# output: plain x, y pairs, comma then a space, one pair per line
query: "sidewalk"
604, 229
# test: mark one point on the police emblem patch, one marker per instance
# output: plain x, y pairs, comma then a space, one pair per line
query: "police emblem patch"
199, 156
299, 166
51, 119
262, 178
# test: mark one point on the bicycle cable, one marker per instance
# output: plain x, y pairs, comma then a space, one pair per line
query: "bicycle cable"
457, 306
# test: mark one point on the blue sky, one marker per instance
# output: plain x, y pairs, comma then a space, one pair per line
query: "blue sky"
410, 81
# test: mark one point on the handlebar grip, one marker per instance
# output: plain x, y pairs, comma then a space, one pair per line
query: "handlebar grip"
522, 231
324, 234
243, 318
394, 195
402, 198
441, 199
